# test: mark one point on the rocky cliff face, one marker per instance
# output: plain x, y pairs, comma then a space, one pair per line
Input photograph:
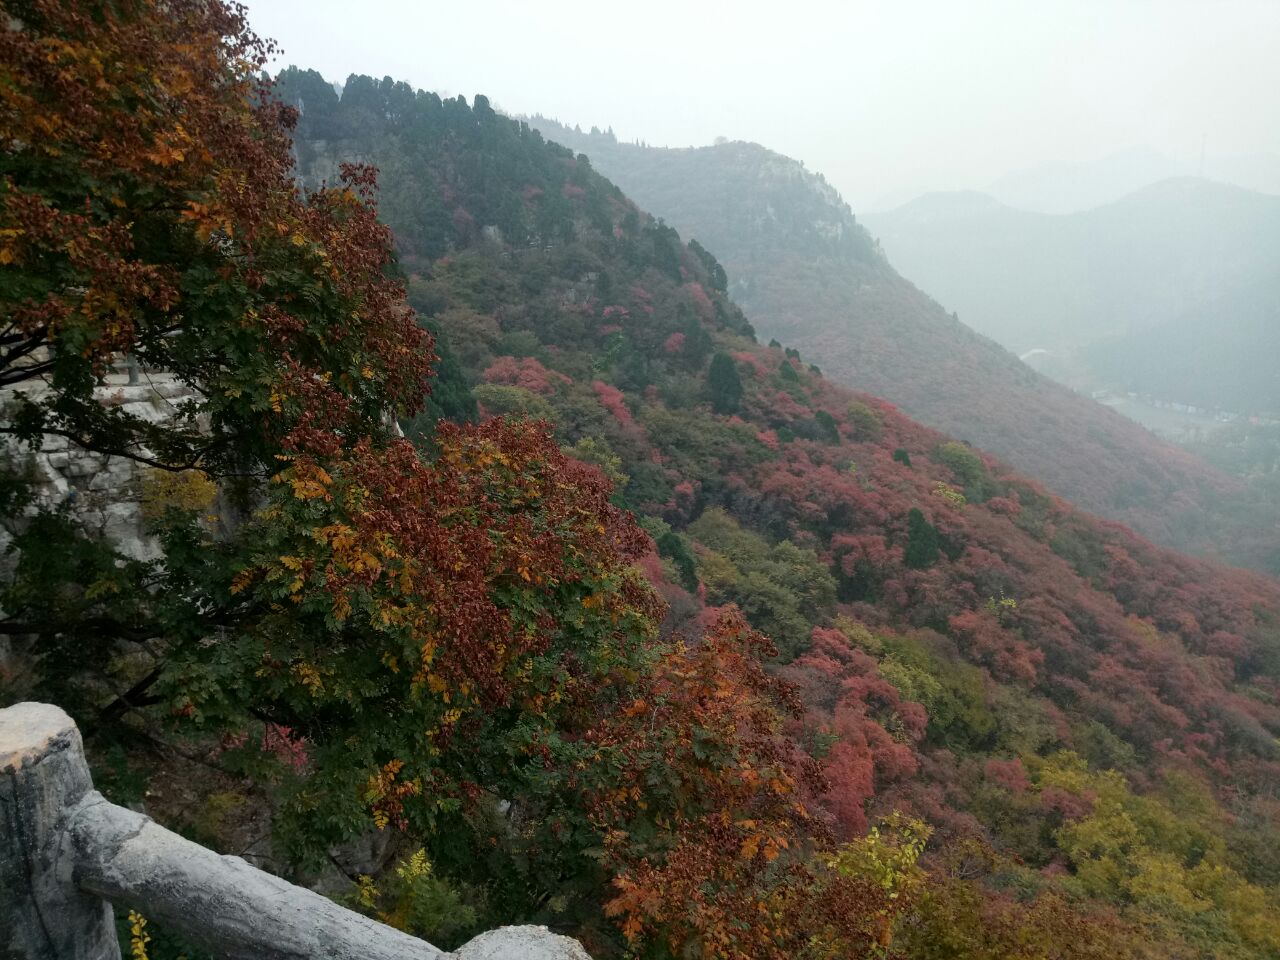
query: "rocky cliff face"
103, 492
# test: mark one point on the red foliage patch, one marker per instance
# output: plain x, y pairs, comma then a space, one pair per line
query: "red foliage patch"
613, 400
525, 372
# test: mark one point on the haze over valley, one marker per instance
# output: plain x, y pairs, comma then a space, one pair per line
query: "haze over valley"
1173, 291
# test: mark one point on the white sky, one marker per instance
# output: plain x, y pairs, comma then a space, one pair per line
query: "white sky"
886, 98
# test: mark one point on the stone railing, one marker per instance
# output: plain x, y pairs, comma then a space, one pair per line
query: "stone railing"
67, 855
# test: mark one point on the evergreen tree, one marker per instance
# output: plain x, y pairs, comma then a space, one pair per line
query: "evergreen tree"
450, 397
828, 429
922, 541
724, 384
672, 546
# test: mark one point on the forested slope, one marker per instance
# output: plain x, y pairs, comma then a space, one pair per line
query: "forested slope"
513, 666
1087, 721
809, 274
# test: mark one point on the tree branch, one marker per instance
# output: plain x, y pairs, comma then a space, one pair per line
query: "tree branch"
132, 698
25, 345
119, 451
107, 625
23, 374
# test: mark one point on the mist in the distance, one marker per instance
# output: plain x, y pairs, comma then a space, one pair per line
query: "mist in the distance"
887, 100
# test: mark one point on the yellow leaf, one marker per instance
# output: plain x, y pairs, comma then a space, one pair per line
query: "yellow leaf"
631, 928
341, 608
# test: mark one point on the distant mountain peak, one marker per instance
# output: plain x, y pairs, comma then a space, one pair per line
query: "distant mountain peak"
748, 190
1184, 187
1070, 187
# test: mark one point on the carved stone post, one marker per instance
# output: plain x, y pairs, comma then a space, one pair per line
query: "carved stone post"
65, 852
43, 776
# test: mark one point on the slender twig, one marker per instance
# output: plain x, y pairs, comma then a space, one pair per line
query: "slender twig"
116, 451
107, 625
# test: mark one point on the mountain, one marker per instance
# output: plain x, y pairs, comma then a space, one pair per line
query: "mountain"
808, 273
1219, 355
1087, 722
639, 629
1054, 281
1068, 187
1072, 187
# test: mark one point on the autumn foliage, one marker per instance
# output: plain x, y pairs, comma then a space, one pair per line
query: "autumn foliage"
388, 639
148, 209
945, 623
983, 724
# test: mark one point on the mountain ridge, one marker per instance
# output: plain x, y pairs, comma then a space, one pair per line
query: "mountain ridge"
1068, 187
873, 330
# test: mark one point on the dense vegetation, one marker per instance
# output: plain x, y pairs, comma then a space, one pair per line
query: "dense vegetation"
524, 655
347, 636
1065, 704
1250, 451
809, 274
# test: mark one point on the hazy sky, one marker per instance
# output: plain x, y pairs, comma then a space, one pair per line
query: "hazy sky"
886, 99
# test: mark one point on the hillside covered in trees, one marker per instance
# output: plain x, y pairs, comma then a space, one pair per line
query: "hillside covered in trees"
1062, 702
808, 273
1218, 354
641, 630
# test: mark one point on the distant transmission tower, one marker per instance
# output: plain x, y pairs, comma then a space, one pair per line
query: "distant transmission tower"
1203, 139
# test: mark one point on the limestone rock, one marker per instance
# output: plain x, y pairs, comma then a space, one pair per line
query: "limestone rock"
102, 492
